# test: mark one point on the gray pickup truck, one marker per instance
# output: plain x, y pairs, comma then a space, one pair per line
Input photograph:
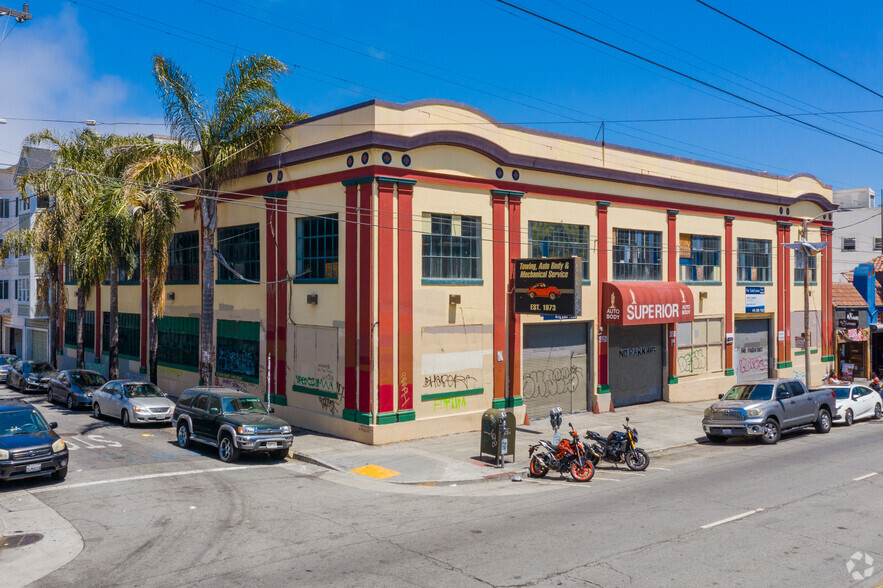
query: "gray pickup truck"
766, 408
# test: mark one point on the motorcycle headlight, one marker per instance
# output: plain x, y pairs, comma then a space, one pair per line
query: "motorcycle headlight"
753, 412
635, 435
708, 412
246, 430
58, 446
4, 454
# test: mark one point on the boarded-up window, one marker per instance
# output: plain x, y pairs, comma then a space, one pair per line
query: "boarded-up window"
700, 346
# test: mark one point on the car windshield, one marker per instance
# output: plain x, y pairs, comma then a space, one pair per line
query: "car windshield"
244, 405
142, 391
750, 392
87, 379
8, 359
41, 367
841, 393
20, 422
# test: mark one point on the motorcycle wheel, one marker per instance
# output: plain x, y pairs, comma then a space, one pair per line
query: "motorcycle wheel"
538, 467
637, 460
582, 474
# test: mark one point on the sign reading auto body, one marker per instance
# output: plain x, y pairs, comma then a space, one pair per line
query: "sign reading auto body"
645, 303
549, 286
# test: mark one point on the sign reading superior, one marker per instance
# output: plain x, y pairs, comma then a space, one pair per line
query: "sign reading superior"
645, 303
550, 286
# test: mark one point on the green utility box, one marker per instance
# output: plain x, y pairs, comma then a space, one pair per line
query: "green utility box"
498, 434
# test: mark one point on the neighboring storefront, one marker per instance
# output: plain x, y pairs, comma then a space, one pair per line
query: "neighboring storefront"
852, 326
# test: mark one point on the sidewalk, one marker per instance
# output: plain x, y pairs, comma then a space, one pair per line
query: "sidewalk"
455, 458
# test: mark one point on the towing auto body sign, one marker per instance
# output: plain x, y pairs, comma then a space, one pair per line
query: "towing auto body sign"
551, 286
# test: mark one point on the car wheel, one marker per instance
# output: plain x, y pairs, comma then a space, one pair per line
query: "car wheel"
59, 474
823, 423
716, 438
552, 296
183, 436
532, 294
771, 432
848, 418
227, 450
70, 402
125, 417
279, 454
49, 397
877, 411
96, 410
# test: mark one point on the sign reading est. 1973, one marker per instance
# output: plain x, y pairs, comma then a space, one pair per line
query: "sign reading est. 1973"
550, 286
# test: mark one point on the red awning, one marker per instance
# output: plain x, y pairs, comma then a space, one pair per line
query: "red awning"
645, 303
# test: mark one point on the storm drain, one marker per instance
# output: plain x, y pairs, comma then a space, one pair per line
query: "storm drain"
13, 541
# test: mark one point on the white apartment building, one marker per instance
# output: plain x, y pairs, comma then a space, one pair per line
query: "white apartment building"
857, 231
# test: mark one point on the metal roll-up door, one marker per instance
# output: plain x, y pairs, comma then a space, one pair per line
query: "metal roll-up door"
39, 345
752, 350
635, 360
555, 369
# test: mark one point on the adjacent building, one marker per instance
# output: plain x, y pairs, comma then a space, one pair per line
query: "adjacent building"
857, 230
364, 276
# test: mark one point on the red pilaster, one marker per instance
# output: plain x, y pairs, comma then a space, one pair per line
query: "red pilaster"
514, 319
603, 256
351, 298
366, 308
99, 323
61, 313
672, 247
270, 256
780, 292
500, 269
729, 256
386, 372
827, 293
145, 300
786, 286
406, 296
280, 247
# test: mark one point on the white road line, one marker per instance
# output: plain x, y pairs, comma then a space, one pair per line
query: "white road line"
148, 477
663, 469
731, 519
865, 477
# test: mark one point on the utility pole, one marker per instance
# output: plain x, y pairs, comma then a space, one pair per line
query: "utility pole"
19, 15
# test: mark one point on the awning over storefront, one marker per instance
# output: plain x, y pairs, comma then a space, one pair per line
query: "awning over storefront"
852, 335
645, 303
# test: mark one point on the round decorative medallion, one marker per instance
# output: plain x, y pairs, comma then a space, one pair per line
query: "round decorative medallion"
500, 172
365, 157
350, 161
269, 177
515, 175
406, 160
386, 157
279, 176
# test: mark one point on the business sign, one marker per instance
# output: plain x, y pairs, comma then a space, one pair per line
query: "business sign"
549, 286
847, 324
754, 299
645, 303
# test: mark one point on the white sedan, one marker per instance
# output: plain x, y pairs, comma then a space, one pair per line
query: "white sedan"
856, 402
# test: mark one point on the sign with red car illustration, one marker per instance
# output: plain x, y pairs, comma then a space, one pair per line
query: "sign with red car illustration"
550, 286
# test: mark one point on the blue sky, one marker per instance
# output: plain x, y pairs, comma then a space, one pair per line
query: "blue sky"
90, 59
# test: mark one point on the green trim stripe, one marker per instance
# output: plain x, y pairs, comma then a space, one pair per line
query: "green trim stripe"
454, 394
386, 418
239, 330
672, 379
604, 389
314, 391
406, 415
498, 403
827, 358
363, 418
278, 400
784, 364
729, 372
349, 415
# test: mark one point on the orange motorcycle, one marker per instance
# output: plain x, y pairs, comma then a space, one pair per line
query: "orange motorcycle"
568, 455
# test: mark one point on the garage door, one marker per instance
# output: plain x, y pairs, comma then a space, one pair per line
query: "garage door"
635, 360
39, 345
555, 368
752, 345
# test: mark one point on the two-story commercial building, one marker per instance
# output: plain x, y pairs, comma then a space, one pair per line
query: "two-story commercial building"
364, 275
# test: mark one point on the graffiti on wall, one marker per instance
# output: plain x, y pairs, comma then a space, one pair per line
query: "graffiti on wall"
448, 381
232, 361
693, 361
551, 382
449, 403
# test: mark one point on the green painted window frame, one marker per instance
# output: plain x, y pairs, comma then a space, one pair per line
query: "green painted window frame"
241, 247
547, 239
183, 265
702, 263
637, 255
178, 342
317, 249
451, 247
129, 335
754, 260
238, 353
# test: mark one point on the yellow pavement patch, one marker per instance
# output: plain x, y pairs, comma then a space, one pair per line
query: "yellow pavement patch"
375, 471
146, 435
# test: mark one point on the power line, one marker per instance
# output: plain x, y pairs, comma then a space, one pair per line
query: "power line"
791, 49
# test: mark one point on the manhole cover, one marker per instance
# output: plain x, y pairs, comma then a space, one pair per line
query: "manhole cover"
13, 541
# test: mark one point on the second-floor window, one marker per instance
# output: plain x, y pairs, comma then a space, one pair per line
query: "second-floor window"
848, 244
317, 249
799, 265
700, 258
560, 240
240, 247
451, 247
184, 257
4, 289
4, 208
23, 290
637, 255
755, 261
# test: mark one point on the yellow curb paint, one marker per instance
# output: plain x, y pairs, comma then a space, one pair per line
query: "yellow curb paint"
146, 435
375, 471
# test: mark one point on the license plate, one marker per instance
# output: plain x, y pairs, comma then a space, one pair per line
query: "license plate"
726, 431
32, 467
271, 444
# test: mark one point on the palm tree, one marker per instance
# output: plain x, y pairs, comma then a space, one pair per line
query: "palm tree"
243, 123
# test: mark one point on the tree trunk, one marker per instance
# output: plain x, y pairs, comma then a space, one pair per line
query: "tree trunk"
113, 336
81, 320
152, 334
208, 216
54, 305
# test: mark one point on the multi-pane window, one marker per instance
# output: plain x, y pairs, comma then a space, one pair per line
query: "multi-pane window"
4, 289
451, 247
88, 330
240, 248
238, 350
848, 244
317, 248
70, 328
128, 334
798, 267
754, 261
178, 342
878, 243
4, 208
184, 257
129, 277
560, 240
700, 258
637, 255
70, 274
700, 346
23, 289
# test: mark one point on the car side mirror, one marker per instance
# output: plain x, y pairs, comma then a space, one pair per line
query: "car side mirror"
783, 395
214, 410
53, 425
720, 396
271, 410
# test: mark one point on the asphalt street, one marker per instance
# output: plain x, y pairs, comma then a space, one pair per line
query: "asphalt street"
152, 514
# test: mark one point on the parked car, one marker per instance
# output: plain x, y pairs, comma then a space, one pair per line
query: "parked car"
232, 421
28, 445
74, 387
30, 376
132, 401
856, 402
543, 291
766, 408
6, 362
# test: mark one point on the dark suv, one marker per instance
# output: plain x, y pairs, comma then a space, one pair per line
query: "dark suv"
28, 445
230, 420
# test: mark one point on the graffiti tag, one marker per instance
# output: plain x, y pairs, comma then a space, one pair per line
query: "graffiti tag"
447, 381
551, 382
449, 403
692, 361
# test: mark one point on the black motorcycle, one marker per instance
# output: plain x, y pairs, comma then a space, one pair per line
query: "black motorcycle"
617, 448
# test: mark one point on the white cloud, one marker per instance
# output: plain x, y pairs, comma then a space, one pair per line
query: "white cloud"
48, 73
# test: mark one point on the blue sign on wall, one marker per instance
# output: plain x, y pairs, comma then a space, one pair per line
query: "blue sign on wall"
754, 299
